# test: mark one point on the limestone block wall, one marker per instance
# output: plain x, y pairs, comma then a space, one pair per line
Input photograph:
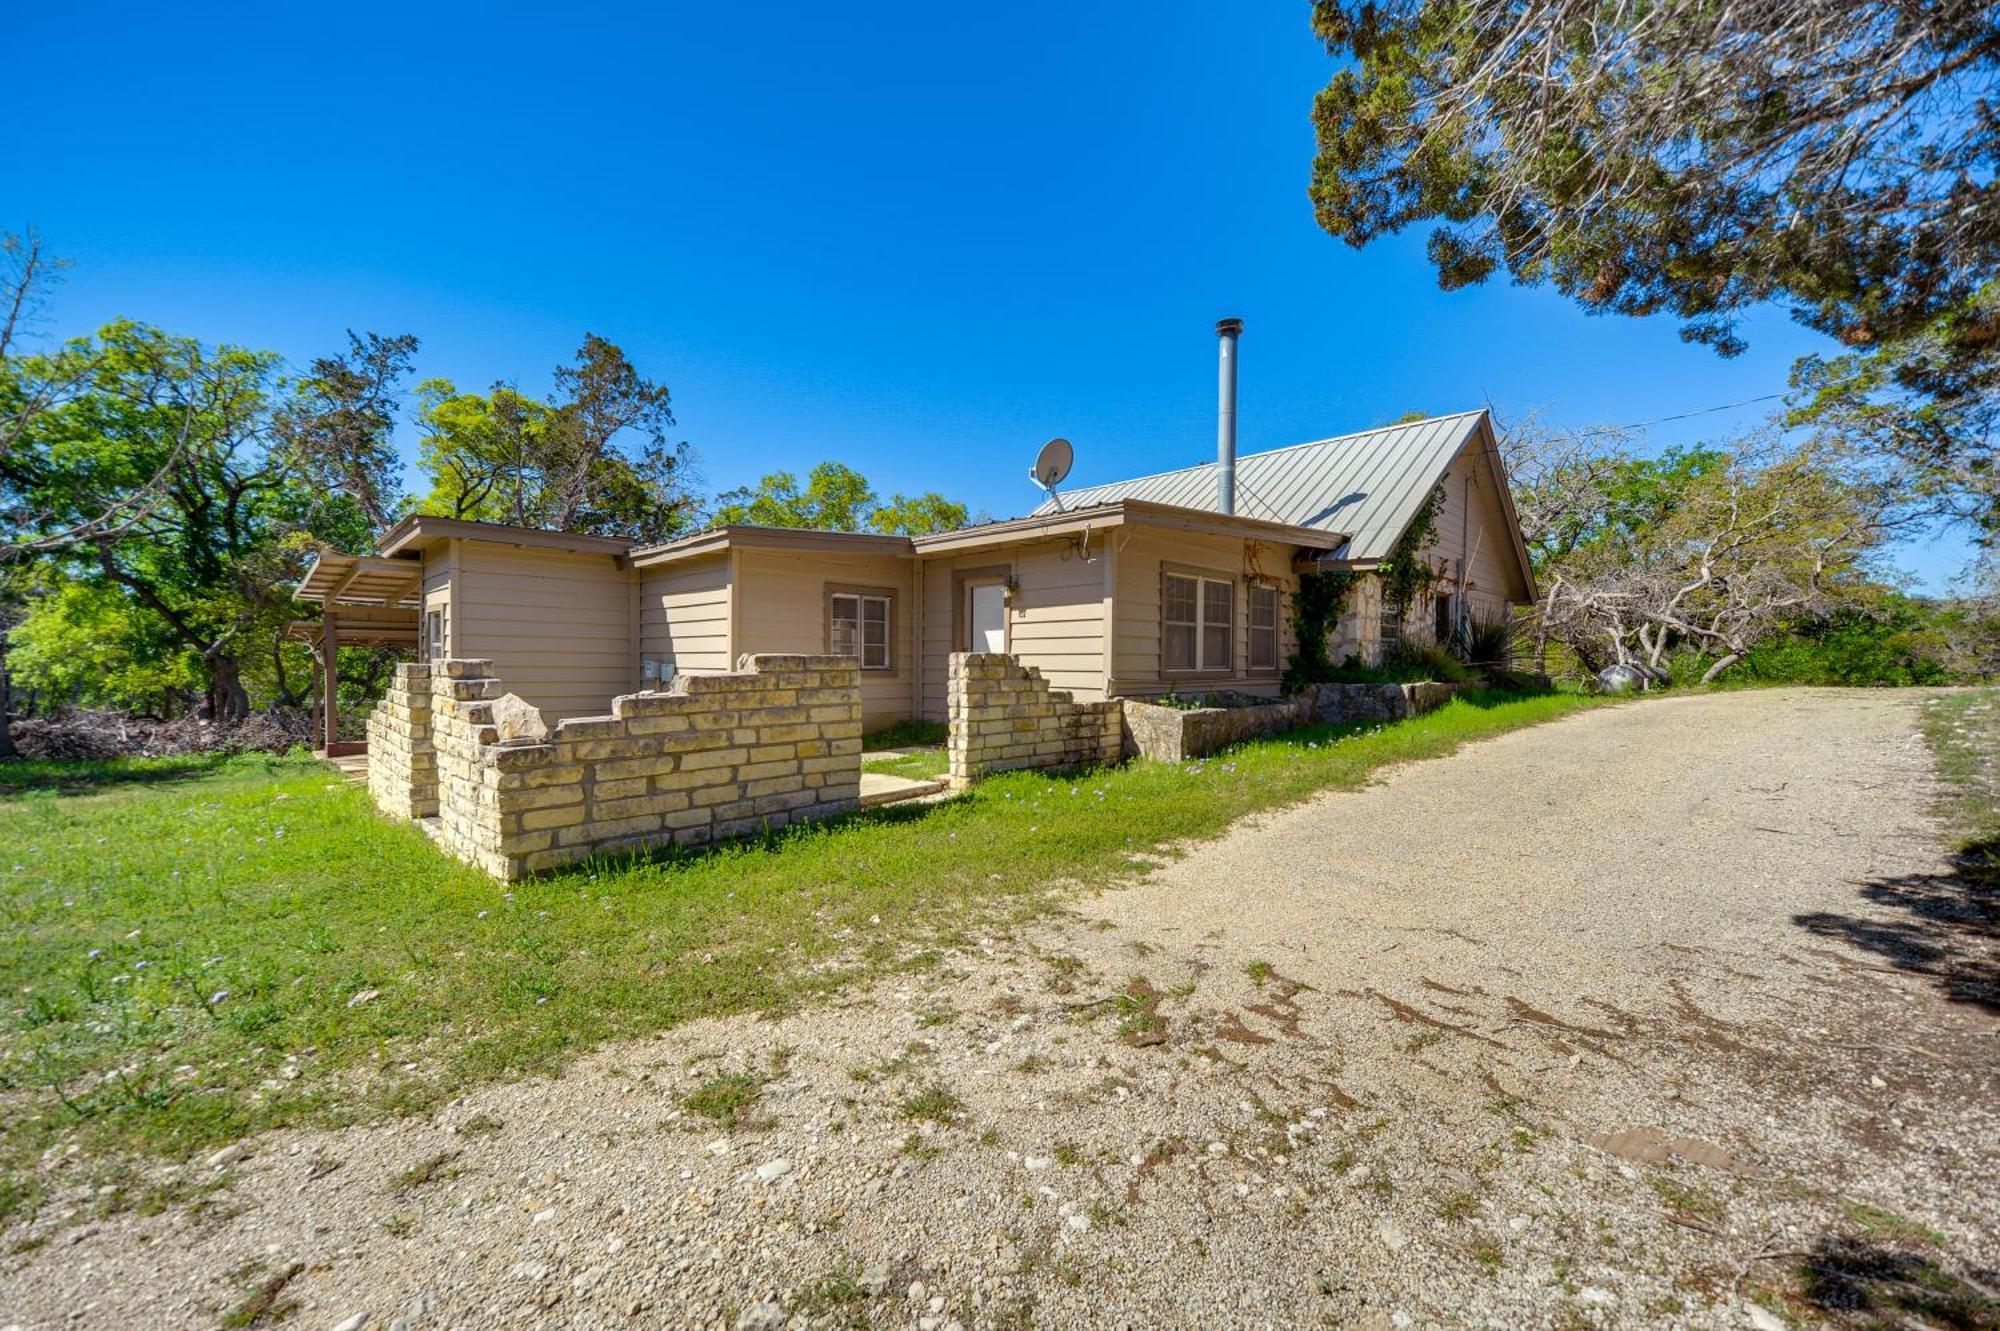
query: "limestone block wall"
1003, 716
716, 756
402, 765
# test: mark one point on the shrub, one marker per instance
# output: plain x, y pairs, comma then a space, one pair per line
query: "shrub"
1410, 661
1490, 642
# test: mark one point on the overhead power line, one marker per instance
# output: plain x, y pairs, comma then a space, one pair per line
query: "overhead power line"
1680, 416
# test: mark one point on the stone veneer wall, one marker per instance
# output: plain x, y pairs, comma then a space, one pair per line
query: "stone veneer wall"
1003, 716
402, 765
1175, 734
717, 756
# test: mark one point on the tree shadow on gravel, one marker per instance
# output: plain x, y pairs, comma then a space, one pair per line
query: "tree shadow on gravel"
1862, 1283
1950, 928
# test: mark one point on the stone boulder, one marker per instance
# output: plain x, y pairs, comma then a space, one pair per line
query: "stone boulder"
518, 721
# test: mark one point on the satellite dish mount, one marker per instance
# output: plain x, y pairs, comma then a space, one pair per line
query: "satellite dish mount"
1051, 468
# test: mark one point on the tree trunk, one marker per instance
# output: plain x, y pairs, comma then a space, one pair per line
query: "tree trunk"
6, 711
285, 698
228, 702
1708, 675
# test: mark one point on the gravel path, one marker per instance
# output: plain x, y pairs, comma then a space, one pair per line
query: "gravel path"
1640, 1018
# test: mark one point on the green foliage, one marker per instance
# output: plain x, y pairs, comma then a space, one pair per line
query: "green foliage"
90, 643
1638, 159
209, 521
1490, 642
1412, 661
1316, 606
836, 498
1832, 156
908, 734
727, 1100
919, 515
598, 459
1406, 575
266, 882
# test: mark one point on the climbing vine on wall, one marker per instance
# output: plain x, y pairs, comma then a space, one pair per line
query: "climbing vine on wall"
1405, 574
1316, 607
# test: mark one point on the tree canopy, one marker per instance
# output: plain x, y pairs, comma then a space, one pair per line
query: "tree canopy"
1838, 157
836, 498
598, 459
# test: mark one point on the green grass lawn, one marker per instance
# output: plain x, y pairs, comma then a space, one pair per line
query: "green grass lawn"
202, 949
921, 765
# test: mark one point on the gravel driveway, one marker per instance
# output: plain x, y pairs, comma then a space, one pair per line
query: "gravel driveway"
1640, 1018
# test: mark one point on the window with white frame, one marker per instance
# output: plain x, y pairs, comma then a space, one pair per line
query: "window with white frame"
1263, 608
434, 635
1197, 623
859, 627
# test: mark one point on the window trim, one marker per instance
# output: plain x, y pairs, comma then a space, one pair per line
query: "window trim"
1199, 576
888, 595
1277, 630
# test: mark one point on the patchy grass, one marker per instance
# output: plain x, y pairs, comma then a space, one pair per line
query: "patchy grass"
266, 1303
906, 735
1963, 730
83, 776
1888, 1225
1259, 972
190, 942
727, 1100
923, 765
427, 1170
933, 1104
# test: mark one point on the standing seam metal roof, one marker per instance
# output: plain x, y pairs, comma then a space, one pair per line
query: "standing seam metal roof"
1369, 484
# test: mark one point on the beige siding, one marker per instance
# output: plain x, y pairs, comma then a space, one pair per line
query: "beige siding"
781, 607
1472, 546
557, 626
439, 563
684, 616
1055, 620
1142, 554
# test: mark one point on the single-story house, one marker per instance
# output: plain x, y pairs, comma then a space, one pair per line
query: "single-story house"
1132, 588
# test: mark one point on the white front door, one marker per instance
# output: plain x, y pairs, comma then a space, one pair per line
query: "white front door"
987, 614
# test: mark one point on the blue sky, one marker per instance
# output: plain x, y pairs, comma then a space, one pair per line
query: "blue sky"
919, 239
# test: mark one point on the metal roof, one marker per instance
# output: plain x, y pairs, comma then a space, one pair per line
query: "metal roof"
1368, 484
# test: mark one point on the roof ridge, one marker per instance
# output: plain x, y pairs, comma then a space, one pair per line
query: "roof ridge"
1282, 448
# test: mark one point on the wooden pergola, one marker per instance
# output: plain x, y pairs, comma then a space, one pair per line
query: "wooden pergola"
369, 601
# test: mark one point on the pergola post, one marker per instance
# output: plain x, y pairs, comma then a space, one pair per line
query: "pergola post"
329, 674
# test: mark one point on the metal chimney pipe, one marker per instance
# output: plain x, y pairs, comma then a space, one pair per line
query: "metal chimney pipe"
1227, 330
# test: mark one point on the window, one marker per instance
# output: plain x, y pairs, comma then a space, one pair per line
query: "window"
1197, 623
1441, 631
434, 635
859, 626
1263, 628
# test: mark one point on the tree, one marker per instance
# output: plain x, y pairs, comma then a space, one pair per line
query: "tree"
1836, 156
206, 557
597, 460
836, 498
1718, 551
338, 432
919, 515
1692, 159
1927, 404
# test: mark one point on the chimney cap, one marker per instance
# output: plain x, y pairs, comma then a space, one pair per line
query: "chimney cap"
1228, 327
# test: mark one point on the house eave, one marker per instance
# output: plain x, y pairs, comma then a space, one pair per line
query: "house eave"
722, 539
418, 529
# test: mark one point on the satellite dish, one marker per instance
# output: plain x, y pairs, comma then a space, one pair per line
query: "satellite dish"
1052, 464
